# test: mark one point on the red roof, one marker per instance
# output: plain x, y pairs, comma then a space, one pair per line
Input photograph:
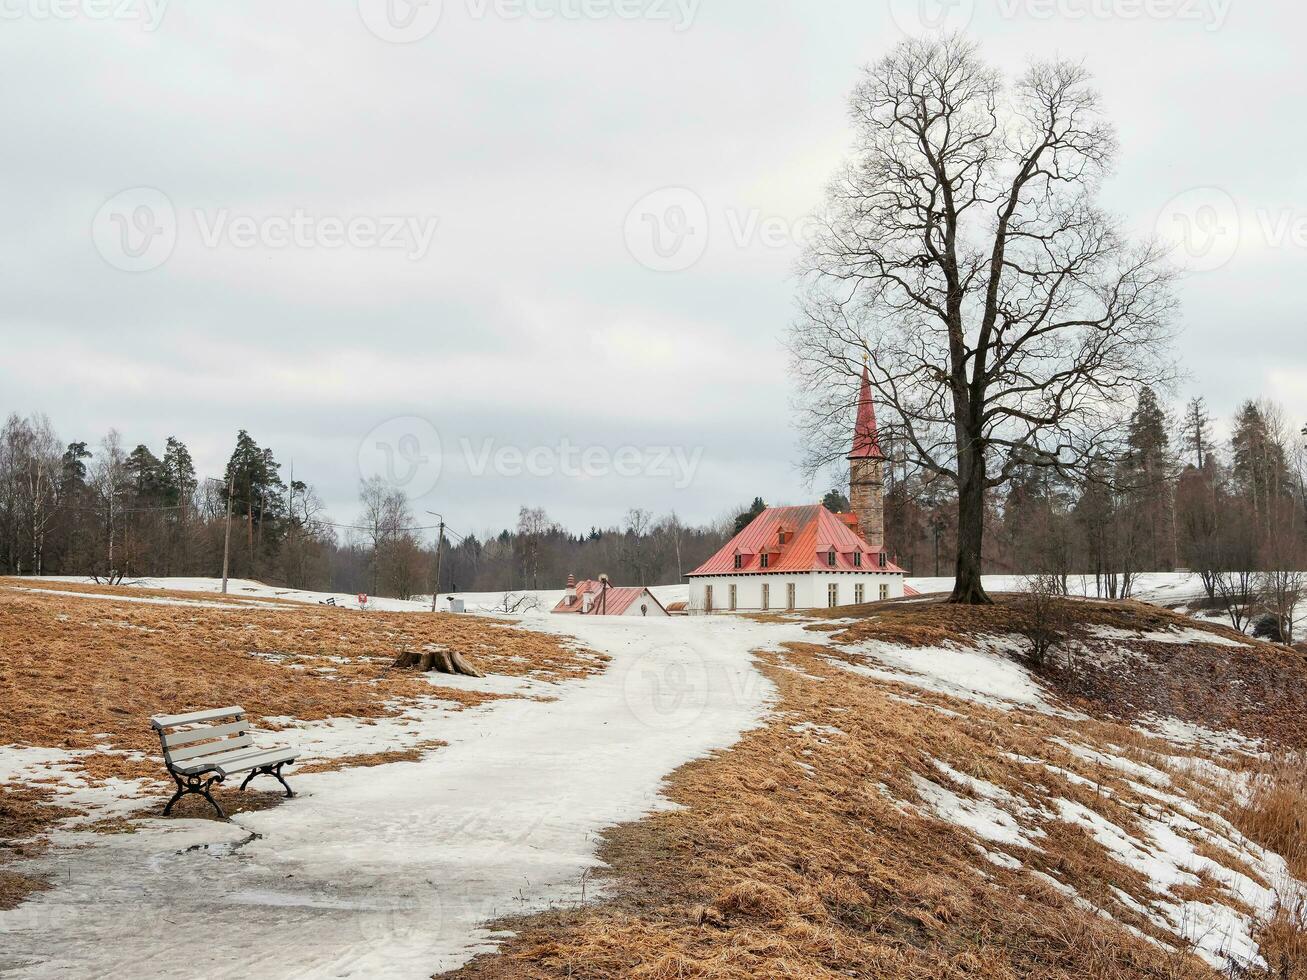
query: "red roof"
811, 533
615, 602
866, 437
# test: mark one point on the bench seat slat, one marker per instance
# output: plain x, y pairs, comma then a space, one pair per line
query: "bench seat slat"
239, 760
209, 749
175, 740
191, 766
267, 758
210, 714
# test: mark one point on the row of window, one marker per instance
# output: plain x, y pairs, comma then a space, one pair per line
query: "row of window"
764, 560
859, 594
832, 596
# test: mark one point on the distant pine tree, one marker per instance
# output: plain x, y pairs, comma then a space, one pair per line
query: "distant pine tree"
745, 518
1196, 429
835, 502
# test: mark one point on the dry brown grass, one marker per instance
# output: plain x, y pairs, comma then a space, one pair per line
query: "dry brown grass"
81, 672
15, 888
370, 759
1274, 812
934, 622
26, 813
773, 869
1284, 942
87, 673
1253, 688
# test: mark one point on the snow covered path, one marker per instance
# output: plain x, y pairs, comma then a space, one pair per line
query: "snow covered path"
390, 871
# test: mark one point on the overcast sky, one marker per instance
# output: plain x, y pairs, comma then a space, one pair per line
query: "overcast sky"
562, 228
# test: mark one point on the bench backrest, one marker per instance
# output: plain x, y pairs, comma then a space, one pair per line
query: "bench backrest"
192, 736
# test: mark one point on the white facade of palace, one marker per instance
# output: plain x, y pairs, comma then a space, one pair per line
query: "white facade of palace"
790, 590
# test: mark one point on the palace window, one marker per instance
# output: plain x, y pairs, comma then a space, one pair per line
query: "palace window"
857, 559
739, 561
884, 592
859, 594
789, 597
733, 594
833, 595
830, 558
882, 559
766, 597
766, 560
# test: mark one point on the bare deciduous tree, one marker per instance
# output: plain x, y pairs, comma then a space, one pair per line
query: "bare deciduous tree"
1007, 319
1047, 616
1282, 584
109, 482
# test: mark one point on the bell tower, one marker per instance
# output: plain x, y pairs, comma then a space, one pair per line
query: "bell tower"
867, 470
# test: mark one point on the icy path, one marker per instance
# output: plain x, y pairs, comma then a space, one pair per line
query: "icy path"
390, 871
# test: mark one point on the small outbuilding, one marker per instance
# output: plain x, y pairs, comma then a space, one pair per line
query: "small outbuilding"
599, 598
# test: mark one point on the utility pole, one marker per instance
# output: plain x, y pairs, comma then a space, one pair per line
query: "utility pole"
226, 537
440, 546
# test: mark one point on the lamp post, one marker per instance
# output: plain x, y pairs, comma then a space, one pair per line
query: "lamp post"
440, 545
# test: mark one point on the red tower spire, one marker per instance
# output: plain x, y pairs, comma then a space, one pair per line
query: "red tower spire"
866, 438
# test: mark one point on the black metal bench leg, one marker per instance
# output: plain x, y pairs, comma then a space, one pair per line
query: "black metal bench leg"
181, 791
274, 772
197, 786
205, 794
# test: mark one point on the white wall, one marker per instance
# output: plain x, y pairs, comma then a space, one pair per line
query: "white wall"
646, 600
809, 592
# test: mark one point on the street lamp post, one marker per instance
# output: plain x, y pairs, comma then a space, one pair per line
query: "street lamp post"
440, 546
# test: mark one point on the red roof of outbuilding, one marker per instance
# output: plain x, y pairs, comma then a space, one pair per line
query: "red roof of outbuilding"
616, 601
866, 437
811, 532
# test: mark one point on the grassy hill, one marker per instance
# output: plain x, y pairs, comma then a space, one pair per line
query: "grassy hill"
924, 804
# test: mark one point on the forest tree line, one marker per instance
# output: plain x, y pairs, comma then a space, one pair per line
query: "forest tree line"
1180, 498
117, 514
1232, 510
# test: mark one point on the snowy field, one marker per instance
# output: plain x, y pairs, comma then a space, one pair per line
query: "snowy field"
391, 871
394, 870
543, 600
1163, 588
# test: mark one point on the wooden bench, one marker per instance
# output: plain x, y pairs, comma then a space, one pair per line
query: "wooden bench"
202, 748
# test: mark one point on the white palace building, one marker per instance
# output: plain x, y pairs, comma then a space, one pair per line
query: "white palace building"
807, 557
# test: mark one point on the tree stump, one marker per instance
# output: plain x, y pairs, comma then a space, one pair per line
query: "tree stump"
440, 661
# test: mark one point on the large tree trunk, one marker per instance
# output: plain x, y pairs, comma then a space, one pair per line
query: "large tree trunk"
967, 588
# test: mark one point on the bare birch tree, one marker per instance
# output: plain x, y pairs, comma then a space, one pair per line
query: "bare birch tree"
1007, 319
109, 482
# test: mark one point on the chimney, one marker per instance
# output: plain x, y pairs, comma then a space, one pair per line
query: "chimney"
586, 601
570, 596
